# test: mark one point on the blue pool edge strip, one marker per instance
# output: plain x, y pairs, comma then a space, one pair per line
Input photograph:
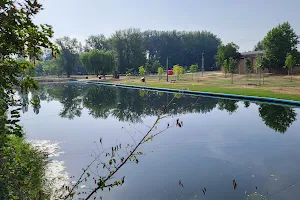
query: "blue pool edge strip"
198, 93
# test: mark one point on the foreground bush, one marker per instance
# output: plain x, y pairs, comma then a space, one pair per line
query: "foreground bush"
21, 170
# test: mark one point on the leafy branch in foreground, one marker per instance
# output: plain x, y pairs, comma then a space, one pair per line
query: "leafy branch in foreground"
21, 46
115, 158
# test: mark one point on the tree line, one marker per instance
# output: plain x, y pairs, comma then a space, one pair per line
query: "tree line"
127, 50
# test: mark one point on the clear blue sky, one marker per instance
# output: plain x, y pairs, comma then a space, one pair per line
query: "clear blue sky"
243, 22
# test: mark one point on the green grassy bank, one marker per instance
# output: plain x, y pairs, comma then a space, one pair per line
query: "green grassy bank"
259, 92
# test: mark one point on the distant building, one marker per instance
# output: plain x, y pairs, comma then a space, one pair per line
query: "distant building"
248, 55
252, 56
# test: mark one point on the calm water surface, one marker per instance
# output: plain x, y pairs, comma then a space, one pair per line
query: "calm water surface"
220, 140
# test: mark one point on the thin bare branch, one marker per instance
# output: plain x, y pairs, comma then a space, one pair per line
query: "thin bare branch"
126, 159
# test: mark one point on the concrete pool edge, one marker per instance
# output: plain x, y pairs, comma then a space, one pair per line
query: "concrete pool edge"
198, 93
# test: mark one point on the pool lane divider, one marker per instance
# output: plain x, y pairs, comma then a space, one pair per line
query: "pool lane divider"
198, 93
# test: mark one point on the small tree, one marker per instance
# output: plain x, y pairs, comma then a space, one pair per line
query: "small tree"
290, 62
262, 63
232, 66
160, 72
177, 69
248, 64
225, 67
193, 69
258, 66
142, 71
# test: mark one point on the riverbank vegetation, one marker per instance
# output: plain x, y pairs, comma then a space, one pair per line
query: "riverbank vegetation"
22, 170
21, 166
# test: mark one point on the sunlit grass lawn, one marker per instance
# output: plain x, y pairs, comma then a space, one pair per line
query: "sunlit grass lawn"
274, 86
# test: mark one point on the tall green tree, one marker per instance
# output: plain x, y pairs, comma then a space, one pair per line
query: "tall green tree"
225, 52
151, 66
96, 60
130, 49
279, 42
182, 47
232, 67
99, 61
85, 61
98, 42
290, 63
70, 48
258, 46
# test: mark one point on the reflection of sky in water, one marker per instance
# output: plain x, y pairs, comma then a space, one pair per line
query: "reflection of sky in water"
209, 151
56, 176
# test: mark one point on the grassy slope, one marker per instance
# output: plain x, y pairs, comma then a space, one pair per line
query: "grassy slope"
240, 91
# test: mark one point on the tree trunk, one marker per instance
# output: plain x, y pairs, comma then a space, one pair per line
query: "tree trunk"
192, 76
231, 78
288, 72
260, 77
263, 78
291, 74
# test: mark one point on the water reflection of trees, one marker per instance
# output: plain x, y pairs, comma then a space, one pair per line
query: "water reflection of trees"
133, 105
279, 118
228, 105
69, 96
